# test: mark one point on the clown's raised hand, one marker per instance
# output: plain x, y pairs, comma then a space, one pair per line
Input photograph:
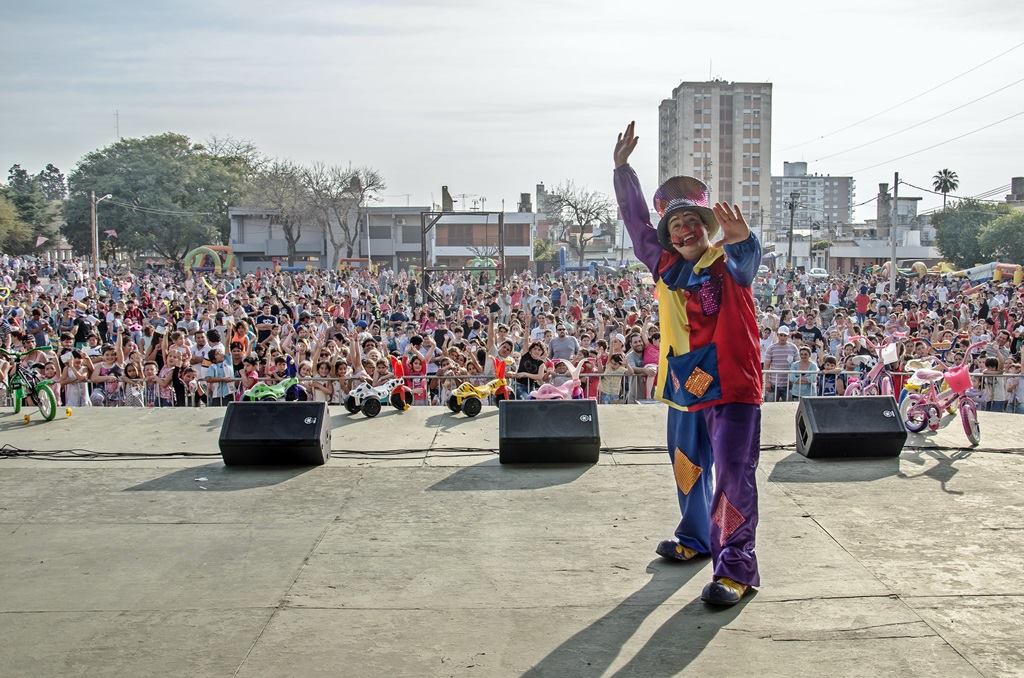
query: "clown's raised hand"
625, 145
734, 226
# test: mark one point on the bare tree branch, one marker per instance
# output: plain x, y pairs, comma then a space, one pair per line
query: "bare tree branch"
575, 213
280, 188
362, 185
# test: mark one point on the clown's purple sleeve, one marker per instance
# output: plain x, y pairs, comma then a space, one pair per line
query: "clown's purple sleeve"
637, 217
742, 260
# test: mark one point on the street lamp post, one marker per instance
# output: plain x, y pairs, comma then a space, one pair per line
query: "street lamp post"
794, 199
93, 202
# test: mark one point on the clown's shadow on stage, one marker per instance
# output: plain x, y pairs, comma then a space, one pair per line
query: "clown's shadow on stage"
669, 650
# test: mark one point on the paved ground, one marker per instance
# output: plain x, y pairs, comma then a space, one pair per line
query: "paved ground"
439, 562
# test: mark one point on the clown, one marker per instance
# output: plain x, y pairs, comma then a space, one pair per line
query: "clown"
709, 367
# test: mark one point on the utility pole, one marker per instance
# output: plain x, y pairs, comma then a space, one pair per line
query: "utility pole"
622, 244
93, 201
94, 236
794, 198
892, 235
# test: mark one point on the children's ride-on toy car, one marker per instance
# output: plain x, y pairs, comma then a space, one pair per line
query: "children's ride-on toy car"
469, 399
289, 389
370, 399
568, 390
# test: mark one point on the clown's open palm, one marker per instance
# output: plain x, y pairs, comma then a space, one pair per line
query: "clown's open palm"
734, 226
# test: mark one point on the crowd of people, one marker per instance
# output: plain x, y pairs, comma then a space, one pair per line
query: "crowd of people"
155, 337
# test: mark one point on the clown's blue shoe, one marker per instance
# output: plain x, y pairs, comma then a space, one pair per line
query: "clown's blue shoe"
673, 550
724, 592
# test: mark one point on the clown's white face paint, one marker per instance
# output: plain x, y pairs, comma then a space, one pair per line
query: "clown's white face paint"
688, 234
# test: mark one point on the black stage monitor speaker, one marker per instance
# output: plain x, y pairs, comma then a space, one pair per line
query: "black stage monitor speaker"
275, 433
864, 426
548, 431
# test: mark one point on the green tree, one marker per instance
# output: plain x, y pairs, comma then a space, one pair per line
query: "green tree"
52, 183
15, 235
945, 181
18, 179
957, 230
25, 192
169, 195
543, 250
1003, 239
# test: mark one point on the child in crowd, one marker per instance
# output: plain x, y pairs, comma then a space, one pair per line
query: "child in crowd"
1014, 403
220, 376
322, 388
151, 384
134, 386
612, 381
75, 381
107, 374
250, 375
993, 386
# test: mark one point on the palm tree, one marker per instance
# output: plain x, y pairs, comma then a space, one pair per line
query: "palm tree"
944, 182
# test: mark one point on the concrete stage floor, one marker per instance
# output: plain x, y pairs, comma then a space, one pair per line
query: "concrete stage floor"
440, 562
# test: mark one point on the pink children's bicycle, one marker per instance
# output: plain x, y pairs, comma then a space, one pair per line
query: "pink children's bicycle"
924, 410
878, 381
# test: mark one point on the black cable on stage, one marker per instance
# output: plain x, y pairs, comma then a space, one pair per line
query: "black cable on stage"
81, 454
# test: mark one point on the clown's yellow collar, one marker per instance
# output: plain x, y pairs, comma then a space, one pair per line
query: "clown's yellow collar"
711, 254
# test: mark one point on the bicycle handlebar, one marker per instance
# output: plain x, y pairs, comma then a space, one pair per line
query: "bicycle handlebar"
16, 354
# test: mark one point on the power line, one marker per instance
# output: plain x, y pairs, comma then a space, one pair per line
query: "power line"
994, 191
941, 143
918, 124
978, 196
871, 199
161, 211
905, 101
958, 197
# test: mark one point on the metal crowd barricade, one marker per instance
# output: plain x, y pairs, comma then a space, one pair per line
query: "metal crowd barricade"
629, 389
778, 387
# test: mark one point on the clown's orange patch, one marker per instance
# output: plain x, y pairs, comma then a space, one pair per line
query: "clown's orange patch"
686, 472
698, 382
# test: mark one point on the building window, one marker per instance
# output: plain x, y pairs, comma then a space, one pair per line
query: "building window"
380, 232
410, 234
458, 234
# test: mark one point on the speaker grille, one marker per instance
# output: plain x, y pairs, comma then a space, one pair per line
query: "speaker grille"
274, 421
275, 433
541, 431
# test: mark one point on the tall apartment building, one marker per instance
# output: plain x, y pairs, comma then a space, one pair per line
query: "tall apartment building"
721, 133
825, 201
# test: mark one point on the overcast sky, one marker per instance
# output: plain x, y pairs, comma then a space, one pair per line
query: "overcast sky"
491, 98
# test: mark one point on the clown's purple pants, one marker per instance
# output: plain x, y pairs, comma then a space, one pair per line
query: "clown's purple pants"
720, 516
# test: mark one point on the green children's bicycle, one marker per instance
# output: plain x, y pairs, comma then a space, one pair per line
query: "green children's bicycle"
23, 383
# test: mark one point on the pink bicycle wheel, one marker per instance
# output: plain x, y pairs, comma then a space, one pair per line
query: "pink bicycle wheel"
915, 415
969, 418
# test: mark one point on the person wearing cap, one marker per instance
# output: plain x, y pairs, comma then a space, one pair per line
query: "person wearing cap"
709, 371
777, 359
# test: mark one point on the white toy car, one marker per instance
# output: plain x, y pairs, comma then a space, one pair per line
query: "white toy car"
370, 399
